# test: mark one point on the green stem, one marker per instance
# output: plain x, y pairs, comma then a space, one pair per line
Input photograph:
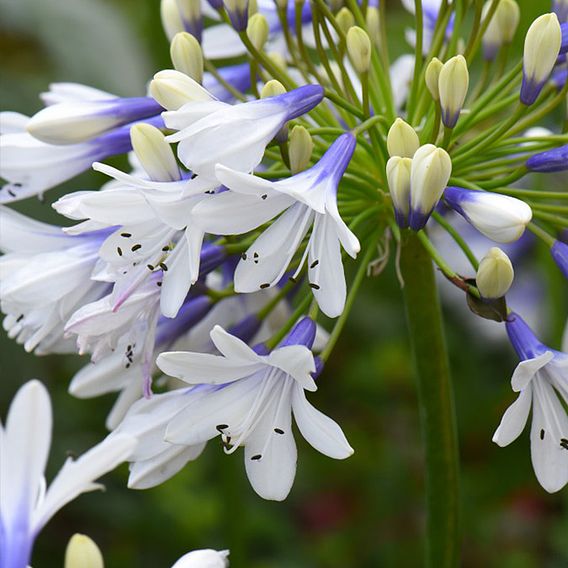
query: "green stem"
435, 396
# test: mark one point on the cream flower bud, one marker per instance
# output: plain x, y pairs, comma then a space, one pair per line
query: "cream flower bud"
373, 25
173, 89
495, 274
429, 175
300, 149
345, 19
453, 83
272, 88
82, 552
257, 30
432, 77
398, 177
187, 56
501, 28
542, 46
154, 153
238, 11
402, 139
359, 49
171, 19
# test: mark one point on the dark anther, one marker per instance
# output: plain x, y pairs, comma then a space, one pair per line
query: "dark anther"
263, 196
17, 184
166, 248
279, 431
564, 443
158, 283
314, 286
257, 457
244, 255
136, 247
20, 318
129, 348
150, 267
542, 434
126, 235
314, 263
127, 365
221, 427
163, 266
11, 193
265, 285
119, 251
255, 255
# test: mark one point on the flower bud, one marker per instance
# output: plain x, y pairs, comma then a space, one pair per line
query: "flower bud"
171, 19
495, 274
190, 12
82, 552
373, 25
432, 77
453, 83
187, 56
206, 558
555, 160
272, 88
300, 149
499, 217
559, 252
154, 153
564, 42
238, 11
257, 30
429, 175
345, 19
173, 89
398, 177
542, 46
560, 8
402, 139
501, 28
359, 49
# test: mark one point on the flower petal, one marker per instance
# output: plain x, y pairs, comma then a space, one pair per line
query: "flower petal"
232, 347
514, 419
527, 369
297, 361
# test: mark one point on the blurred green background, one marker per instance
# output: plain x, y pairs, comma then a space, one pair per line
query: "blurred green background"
363, 512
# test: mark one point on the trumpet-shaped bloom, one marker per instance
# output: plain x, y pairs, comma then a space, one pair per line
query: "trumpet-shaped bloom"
541, 378
499, 217
25, 504
212, 132
309, 199
248, 399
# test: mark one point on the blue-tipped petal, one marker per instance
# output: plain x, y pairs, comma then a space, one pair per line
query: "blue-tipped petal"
530, 90
555, 160
303, 333
525, 342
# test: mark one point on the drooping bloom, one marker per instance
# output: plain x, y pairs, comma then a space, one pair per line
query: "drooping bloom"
25, 504
309, 199
541, 378
247, 397
212, 132
499, 217
555, 160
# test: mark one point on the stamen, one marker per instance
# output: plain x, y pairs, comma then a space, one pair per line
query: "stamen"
119, 251
126, 235
136, 247
279, 430
564, 443
221, 427
314, 286
257, 457
314, 263
265, 285
542, 434
163, 266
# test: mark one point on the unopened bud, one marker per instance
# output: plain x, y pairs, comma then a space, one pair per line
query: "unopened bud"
432, 77
495, 274
82, 552
402, 139
453, 84
501, 28
542, 46
190, 12
238, 12
345, 19
373, 25
257, 31
359, 49
560, 8
173, 89
272, 88
429, 175
398, 177
300, 149
187, 56
171, 19
154, 153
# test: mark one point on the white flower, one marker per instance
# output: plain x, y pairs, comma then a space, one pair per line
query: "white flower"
541, 378
36, 256
206, 558
309, 198
499, 217
25, 504
248, 400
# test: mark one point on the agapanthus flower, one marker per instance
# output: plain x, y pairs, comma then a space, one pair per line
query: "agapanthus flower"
541, 378
26, 504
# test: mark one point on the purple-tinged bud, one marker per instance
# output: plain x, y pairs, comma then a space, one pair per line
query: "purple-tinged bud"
560, 8
211, 257
522, 338
564, 41
559, 79
319, 367
189, 315
555, 160
237, 10
559, 252
303, 333
247, 328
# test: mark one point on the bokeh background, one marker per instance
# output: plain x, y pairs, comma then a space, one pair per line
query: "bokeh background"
363, 512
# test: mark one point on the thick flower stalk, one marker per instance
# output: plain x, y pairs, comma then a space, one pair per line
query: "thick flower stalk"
260, 194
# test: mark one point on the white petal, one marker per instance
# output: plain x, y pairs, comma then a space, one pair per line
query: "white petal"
132, 392
189, 114
232, 347
176, 282
222, 42
514, 419
244, 183
76, 477
206, 558
527, 369
297, 361
323, 433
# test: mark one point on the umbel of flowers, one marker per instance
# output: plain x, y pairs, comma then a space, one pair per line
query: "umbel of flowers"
251, 188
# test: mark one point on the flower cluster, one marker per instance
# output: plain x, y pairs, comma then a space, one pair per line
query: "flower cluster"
251, 187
